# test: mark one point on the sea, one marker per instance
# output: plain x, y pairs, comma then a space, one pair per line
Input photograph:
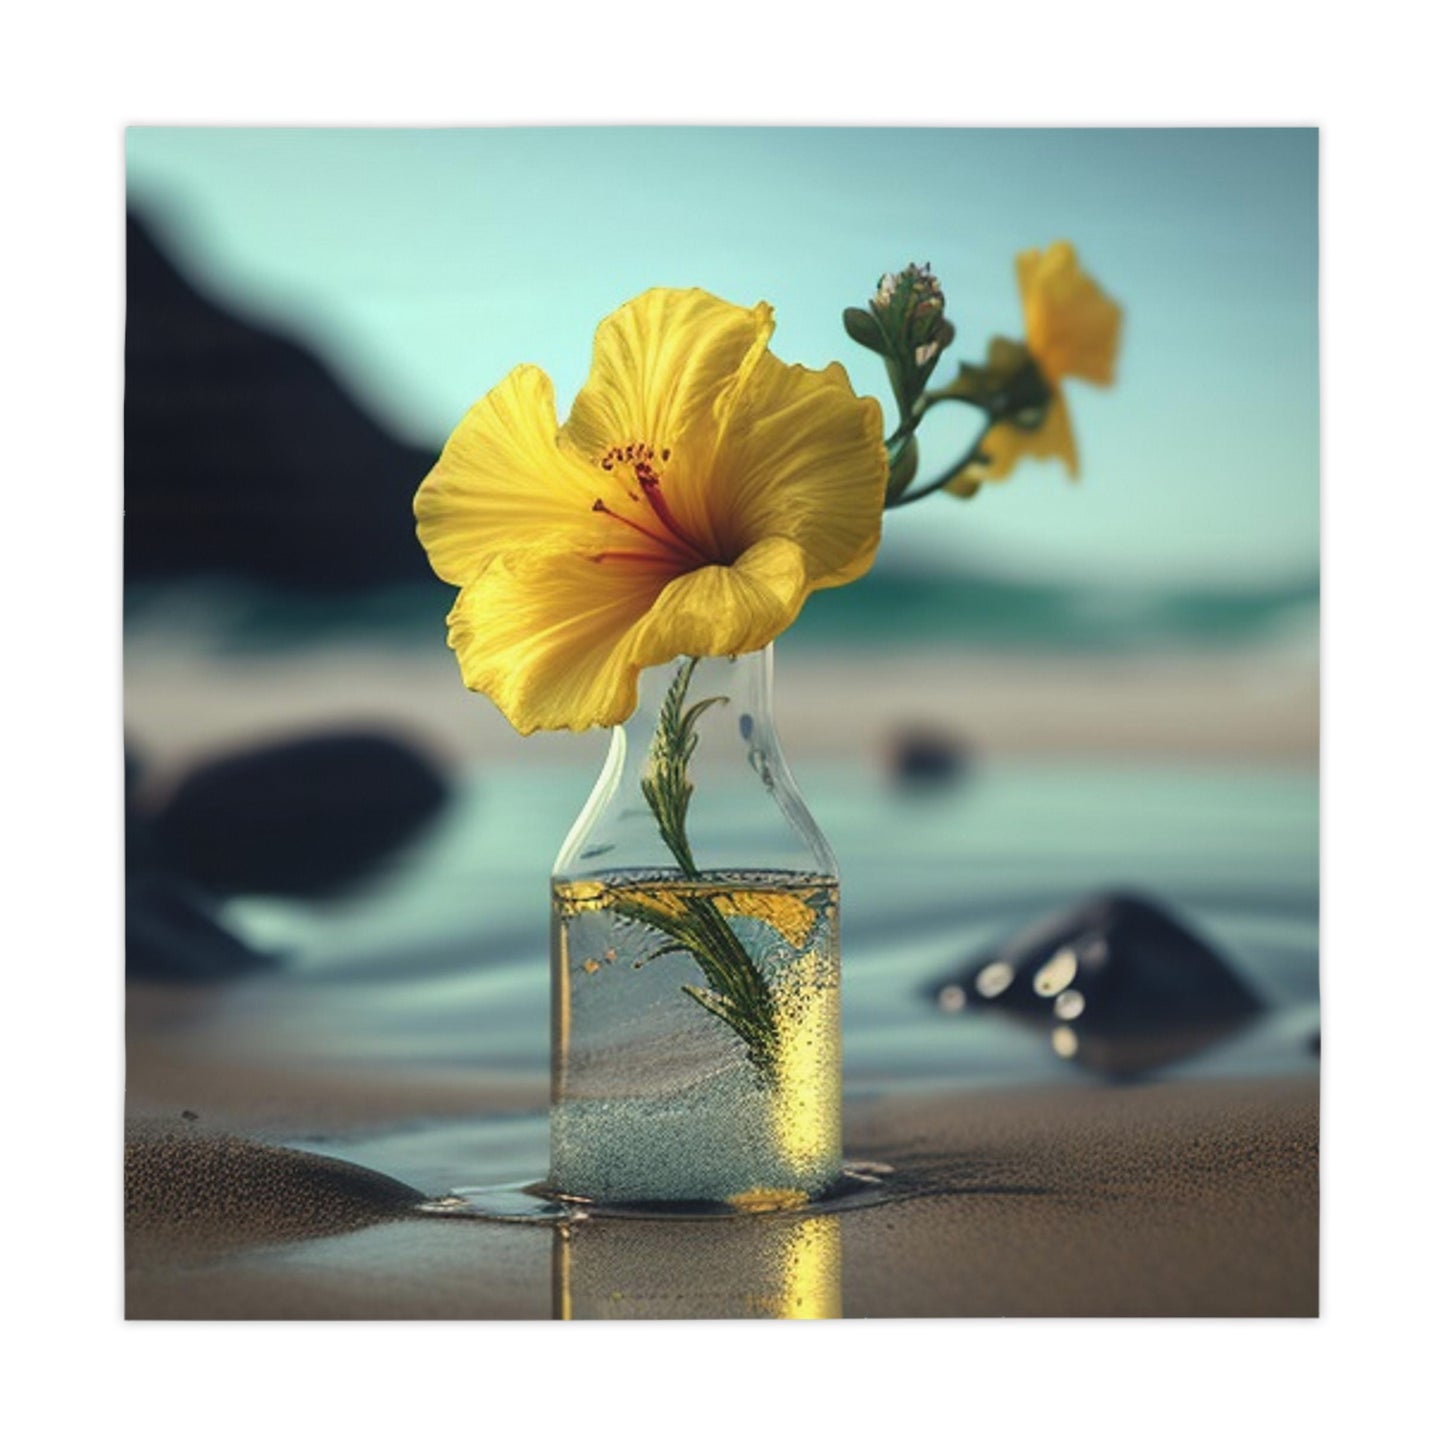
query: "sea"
441, 959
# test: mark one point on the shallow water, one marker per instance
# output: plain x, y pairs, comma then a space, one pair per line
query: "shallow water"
443, 962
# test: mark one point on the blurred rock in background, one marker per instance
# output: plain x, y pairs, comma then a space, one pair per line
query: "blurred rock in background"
922, 758
307, 818
303, 818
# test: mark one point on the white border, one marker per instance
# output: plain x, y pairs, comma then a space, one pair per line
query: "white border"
76, 75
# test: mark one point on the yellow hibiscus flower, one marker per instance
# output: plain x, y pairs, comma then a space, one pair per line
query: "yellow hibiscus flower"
699, 491
1071, 328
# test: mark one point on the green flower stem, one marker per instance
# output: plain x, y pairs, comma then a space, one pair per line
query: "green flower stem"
910, 420
938, 483
737, 994
902, 447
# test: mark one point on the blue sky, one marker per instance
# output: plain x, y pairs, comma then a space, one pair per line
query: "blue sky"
423, 264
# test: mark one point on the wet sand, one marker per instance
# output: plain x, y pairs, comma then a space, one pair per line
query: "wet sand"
292, 1194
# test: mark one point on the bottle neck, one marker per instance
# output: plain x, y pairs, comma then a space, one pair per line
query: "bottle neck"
696, 780
729, 699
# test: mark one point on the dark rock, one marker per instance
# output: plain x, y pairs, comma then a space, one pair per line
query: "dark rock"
301, 819
244, 456
1121, 986
927, 758
172, 933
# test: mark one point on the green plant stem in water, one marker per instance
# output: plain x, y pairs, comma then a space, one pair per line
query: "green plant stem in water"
737, 993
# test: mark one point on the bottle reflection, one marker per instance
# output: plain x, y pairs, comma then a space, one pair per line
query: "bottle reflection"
787, 1268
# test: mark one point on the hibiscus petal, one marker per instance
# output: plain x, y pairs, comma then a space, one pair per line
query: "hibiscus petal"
800, 456
548, 635
723, 611
502, 482
557, 640
1005, 446
659, 364
1072, 326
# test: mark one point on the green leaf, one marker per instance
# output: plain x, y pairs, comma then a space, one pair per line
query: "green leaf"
863, 327
665, 785
688, 728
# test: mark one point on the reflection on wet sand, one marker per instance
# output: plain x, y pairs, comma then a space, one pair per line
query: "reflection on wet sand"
765, 1267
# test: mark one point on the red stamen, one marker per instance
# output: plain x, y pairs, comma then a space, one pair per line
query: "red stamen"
662, 541
639, 457
652, 489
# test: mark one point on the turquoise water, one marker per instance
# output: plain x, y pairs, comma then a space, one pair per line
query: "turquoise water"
977, 610
443, 962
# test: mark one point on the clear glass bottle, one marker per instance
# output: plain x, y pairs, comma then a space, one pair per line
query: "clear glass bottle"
696, 1051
